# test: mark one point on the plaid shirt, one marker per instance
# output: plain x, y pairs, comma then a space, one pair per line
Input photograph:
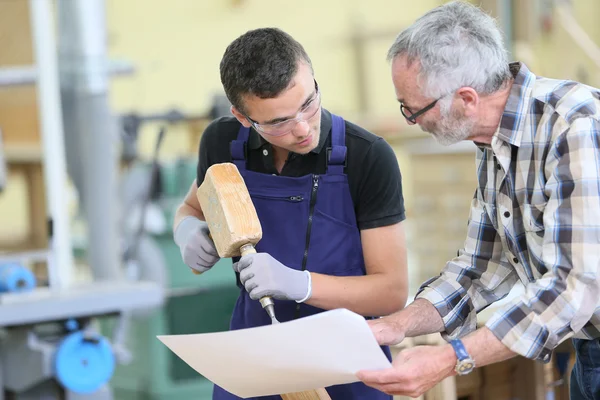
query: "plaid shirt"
535, 217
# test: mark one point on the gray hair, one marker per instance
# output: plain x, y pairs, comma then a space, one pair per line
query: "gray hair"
457, 45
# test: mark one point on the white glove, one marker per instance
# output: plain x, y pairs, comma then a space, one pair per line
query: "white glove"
197, 248
262, 275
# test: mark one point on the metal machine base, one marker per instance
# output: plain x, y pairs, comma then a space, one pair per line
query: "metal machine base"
93, 299
34, 325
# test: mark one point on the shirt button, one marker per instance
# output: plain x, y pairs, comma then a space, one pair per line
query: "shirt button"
516, 260
506, 214
499, 166
265, 152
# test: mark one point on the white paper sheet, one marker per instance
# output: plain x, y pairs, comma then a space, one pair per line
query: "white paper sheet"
317, 351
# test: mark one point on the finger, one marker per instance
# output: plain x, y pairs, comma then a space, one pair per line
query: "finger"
250, 285
396, 390
401, 389
244, 263
246, 274
200, 268
208, 248
206, 259
380, 377
196, 259
257, 292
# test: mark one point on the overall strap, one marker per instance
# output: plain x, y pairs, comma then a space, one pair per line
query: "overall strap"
238, 148
336, 160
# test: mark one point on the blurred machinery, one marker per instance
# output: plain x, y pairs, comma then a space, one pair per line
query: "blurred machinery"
51, 343
51, 346
150, 192
94, 337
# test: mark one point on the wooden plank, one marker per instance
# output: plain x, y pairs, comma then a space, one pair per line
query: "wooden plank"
319, 394
14, 232
23, 153
38, 216
18, 105
19, 115
15, 33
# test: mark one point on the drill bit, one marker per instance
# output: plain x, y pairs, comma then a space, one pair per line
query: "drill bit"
269, 306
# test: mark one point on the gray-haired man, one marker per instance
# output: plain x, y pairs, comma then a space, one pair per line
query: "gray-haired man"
535, 215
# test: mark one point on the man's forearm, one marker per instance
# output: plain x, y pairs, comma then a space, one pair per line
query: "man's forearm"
485, 348
418, 318
183, 211
368, 295
422, 318
189, 208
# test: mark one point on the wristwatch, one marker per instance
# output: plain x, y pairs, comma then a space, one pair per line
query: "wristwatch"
465, 363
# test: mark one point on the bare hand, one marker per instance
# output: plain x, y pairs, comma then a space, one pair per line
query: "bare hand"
386, 331
413, 372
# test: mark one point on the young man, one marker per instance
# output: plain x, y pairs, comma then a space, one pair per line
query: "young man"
327, 192
535, 216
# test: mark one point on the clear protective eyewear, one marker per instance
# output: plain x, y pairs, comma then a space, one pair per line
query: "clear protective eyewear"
284, 127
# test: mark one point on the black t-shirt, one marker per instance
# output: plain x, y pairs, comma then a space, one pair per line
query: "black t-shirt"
372, 168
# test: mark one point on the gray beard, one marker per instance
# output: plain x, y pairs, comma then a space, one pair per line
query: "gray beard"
451, 128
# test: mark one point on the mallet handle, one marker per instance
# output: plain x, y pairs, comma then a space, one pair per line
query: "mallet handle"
266, 302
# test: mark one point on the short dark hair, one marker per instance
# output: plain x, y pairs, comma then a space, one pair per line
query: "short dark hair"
261, 62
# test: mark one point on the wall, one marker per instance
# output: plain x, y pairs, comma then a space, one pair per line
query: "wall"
177, 49
552, 52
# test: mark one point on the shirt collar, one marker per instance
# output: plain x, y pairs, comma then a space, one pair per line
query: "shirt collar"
255, 141
515, 112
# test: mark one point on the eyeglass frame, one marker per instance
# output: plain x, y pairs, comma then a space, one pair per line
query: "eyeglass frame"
258, 127
413, 116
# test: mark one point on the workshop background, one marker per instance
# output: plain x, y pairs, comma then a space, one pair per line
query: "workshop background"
139, 80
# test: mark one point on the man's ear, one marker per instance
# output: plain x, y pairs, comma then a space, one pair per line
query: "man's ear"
469, 99
240, 117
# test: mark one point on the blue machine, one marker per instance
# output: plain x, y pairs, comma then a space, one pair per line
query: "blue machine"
15, 277
84, 362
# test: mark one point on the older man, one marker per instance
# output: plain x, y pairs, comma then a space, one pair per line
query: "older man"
535, 215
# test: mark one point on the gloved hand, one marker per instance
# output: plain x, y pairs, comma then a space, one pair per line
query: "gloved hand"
197, 248
262, 275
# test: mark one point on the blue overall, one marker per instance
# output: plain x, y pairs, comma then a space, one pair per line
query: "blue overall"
308, 223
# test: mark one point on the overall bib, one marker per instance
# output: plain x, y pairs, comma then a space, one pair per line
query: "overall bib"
308, 223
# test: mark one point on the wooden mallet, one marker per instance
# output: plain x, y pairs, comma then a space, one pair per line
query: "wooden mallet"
231, 217
235, 229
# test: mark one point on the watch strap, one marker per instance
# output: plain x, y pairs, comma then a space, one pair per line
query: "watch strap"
459, 349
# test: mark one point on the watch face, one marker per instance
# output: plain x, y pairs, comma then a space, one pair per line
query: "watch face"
464, 367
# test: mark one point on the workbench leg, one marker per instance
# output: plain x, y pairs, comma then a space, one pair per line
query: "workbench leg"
38, 222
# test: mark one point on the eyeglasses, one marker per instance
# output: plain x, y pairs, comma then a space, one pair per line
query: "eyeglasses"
284, 127
412, 116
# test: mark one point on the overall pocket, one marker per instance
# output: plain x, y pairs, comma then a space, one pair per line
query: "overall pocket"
283, 221
335, 247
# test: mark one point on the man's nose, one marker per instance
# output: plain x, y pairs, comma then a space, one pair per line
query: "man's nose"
301, 129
